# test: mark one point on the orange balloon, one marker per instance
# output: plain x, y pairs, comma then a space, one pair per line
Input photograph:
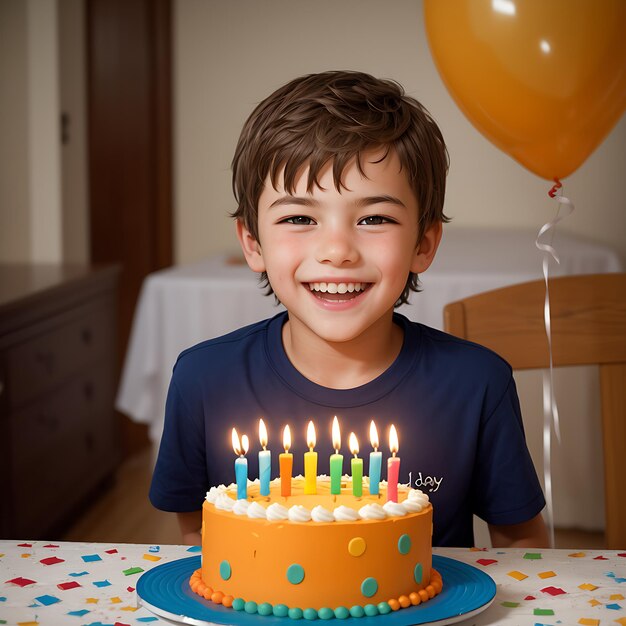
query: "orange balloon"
543, 80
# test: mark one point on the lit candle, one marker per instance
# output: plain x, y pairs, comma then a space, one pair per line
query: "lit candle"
336, 461
286, 464
241, 465
310, 462
356, 465
376, 459
393, 466
265, 461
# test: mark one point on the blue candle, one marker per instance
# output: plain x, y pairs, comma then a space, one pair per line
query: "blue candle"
376, 459
241, 465
265, 461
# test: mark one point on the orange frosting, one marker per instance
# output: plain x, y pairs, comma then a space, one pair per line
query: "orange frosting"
318, 564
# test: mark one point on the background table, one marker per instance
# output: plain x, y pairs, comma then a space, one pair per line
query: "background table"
94, 584
181, 306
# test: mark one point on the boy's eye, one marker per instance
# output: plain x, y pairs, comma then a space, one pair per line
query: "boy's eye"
299, 220
374, 220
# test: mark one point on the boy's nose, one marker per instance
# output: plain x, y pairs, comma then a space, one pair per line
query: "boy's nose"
337, 249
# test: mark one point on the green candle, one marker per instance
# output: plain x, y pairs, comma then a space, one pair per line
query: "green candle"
336, 461
356, 465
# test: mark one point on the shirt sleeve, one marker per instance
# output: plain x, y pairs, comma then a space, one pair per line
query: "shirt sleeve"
179, 481
507, 490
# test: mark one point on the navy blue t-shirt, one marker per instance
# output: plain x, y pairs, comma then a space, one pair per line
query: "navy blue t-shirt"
454, 404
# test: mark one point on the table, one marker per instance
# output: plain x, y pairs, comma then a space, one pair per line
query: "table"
181, 306
51, 583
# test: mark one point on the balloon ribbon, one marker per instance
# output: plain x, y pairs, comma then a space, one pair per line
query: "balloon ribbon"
550, 409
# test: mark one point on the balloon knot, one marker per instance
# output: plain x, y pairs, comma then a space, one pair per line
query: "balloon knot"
557, 185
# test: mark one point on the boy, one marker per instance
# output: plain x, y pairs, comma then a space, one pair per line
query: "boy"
340, 180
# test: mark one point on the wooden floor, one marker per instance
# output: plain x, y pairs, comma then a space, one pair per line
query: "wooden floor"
123, 514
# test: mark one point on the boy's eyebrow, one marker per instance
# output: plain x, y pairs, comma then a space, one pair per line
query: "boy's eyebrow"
361, 202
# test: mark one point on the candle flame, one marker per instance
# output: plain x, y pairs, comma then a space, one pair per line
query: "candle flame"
354, 444
336, 435
240, 448
286, 438
374, 436
310, 436
262, 433
393, 440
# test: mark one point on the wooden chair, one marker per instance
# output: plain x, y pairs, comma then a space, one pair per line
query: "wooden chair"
588, 319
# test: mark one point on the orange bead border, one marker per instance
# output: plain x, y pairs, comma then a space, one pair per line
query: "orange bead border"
435, 586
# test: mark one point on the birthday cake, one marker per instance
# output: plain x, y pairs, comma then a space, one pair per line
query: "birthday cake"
316, 556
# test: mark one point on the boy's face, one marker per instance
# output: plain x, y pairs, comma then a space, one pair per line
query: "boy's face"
338, 261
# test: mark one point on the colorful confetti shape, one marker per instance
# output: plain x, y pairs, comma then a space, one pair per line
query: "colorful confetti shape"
111, 551
47, 600
102, 583
517, 575
621, 620
614, 607
594, 602
147, 619
52, 560
616, 596
130, 589
543, 612
92, 600
132, 609
533, 556
600, 558
587, 621
151, 557
546, 574
132, 570
553, 591
20, 582
530, 598
51, 545
116, 600
26, 555
77, 574
486, 562
577, 555
510, 605
622, 554
587, 587
24, 545
154, 549
80, 613
90, 558
67, 586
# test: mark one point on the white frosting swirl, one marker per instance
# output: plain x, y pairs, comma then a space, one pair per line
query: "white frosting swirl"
320, 514
224, 503
394, 509
276, 512
256, 511
241, 507
345, 514
212, 493
372, 511
418, 496
299, 513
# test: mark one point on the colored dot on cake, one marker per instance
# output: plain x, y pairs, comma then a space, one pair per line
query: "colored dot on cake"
225, 570
295, 574
404, 544
356, 546
369, 587
417, 573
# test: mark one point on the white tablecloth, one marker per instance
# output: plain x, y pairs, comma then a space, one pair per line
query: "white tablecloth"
94, 583
181, 306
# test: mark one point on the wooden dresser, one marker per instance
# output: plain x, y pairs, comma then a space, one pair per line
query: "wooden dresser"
58, 432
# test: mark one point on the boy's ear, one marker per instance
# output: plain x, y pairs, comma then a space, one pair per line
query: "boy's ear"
425, 251
251, 248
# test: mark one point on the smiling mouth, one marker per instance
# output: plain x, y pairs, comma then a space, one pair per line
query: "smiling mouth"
338, 292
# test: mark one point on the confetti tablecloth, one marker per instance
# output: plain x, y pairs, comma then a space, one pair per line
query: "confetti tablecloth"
94, 584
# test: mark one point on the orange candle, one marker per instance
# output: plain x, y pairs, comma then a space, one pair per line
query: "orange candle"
286, 464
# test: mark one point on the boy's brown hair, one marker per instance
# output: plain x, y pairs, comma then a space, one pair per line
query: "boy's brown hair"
337, 116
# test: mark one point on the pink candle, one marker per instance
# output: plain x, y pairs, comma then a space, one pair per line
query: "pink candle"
393, 466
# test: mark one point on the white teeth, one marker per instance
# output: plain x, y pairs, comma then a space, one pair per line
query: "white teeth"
337, 287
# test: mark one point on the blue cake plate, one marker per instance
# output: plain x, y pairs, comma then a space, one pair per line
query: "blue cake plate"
164, 590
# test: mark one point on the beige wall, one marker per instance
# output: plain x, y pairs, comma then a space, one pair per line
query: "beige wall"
229, 54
